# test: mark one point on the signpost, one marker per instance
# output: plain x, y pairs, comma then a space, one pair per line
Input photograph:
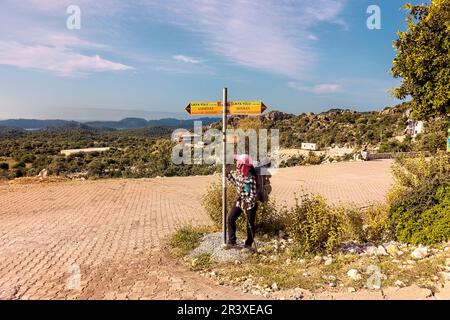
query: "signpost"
246, 107
225, 107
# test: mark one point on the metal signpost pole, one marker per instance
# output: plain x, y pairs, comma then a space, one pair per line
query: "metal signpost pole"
224, 176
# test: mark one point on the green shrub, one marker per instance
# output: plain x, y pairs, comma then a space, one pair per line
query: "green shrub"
318, 227
419, 199
186, 238
376, 224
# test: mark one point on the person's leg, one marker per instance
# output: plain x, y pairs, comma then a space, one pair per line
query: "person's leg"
251, 217
231, 221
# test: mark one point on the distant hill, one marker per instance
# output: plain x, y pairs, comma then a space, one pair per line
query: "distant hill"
127, 123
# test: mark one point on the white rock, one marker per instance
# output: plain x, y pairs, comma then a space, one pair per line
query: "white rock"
446, 275
318, 258
447, 262
351, 290
381, 251
328, 262
371, 251
399, 283
298, 294
420, 253
354, 275
274, 286
392, 249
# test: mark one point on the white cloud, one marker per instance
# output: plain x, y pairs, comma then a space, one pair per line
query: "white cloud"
265, 35
59, 60
316, 89
187, 59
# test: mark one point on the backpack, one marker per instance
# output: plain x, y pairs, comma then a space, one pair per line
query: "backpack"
263, 187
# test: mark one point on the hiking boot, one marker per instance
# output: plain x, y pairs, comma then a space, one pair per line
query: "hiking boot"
229, 246
248, 248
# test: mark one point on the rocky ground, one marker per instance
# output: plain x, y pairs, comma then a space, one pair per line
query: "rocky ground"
357, 271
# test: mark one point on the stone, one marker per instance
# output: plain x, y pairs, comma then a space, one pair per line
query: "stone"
298, 294
371, 251
447, 262
274, 286
392, 249
399, 283
318, 258
354, 275
445, 275
351, 290
381, 251
419, 253
332, 284
329, 261
43, 174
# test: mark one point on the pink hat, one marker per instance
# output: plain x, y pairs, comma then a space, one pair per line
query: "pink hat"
244, 159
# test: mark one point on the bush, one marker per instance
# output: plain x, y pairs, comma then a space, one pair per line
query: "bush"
419, 206
376, 224
268, 219
186, 239
317, 227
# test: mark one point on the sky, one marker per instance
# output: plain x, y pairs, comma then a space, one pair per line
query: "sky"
149, 58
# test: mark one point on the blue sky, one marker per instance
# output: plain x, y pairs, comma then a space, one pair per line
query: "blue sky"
150, 58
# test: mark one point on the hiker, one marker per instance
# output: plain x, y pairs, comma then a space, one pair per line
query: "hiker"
244, 179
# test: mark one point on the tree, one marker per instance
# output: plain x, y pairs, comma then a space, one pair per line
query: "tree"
423, 59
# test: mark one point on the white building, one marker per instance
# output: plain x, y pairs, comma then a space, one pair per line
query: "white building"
309, 146
414, 128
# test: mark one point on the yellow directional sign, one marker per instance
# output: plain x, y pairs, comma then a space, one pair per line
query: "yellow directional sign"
204, 107
244, 107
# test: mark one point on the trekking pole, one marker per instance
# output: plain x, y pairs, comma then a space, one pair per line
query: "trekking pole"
251, 230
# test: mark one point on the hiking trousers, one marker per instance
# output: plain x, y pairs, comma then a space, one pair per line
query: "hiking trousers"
231, 222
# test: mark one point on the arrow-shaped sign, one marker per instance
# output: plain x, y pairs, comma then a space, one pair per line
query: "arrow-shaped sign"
241, 107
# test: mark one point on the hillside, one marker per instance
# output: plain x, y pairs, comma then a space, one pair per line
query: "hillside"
127, 123
384, 130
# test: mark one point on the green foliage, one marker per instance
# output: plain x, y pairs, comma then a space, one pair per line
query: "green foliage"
434, 136
340, 127
133, 154
393, 145
419, 200
318, 227
186, 239
423, 59
376, 224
